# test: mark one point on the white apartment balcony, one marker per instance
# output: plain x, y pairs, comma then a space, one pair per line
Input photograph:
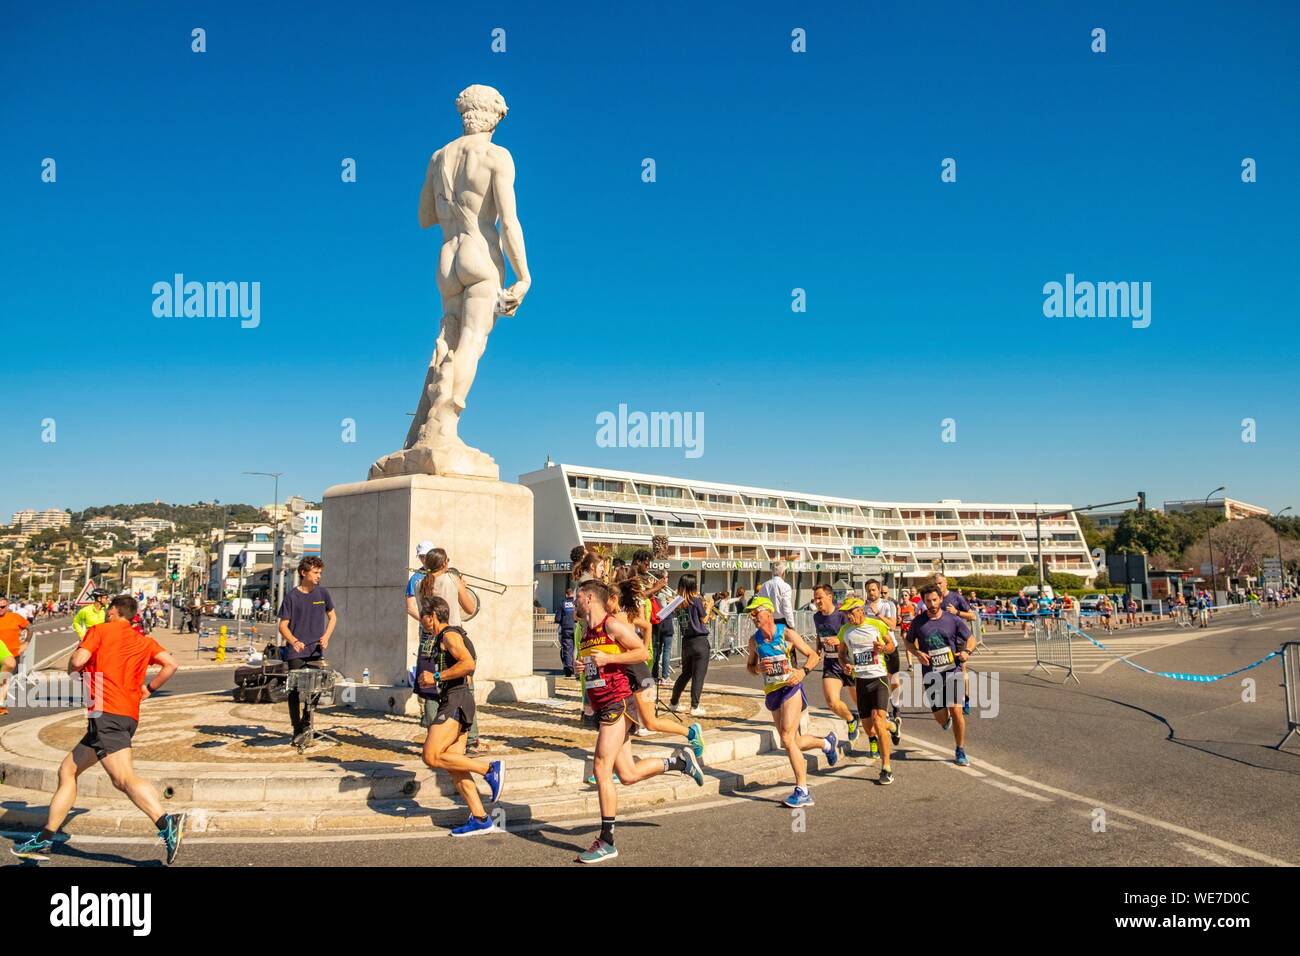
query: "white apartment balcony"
660, 501
683, 532
996, 545
931, 522
824, 539
617, 527
590, 494
765, 510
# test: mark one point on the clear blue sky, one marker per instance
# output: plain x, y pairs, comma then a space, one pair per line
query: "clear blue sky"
775, 171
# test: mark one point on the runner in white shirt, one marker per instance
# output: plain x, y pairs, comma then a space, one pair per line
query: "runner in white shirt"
865, 644
885, 610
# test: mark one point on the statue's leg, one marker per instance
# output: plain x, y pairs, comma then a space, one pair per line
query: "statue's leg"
431, 419
478, 318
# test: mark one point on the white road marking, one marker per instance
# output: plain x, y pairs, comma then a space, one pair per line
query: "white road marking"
1019, 792
1205, 854
1092, 802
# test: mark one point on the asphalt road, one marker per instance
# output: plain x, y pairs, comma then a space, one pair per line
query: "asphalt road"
1123, 769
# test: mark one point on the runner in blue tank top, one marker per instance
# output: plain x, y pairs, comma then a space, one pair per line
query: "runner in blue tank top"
771, 648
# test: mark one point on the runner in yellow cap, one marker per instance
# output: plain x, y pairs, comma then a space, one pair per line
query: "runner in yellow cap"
865, 645
771, 648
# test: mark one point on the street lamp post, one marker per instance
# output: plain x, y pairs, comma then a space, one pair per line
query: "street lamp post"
1214, 572
276, 557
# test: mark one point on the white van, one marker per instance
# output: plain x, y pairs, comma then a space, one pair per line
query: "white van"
1032, 591
241, 607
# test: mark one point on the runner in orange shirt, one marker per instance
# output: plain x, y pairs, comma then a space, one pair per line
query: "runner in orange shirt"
114, 658
12, 626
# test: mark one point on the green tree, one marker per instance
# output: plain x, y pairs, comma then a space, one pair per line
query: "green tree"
1147, 531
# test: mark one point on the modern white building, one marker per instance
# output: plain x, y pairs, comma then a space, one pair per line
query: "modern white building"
30, 520
187, 556
1230, 508
148, 527
730, 534
99, 524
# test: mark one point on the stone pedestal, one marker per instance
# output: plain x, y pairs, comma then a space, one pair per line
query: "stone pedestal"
369, 532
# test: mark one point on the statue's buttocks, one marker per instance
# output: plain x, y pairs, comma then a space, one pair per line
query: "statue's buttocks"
468, 188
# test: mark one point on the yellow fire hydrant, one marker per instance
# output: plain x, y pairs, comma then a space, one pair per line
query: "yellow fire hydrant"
221, 645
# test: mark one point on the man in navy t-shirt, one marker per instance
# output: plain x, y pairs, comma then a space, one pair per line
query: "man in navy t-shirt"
944, 644
307, 620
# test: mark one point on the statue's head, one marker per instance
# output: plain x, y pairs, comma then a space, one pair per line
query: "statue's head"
481, 108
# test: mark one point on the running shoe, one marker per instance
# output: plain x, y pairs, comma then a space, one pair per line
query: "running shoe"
697, 711
962, 760
855, 729
886, 776
896, 734
172, 833
800, 798
591, 779
473, 827
33, 849
598, 852
695, 736
496, 779
643, 732
675, 708
965, 707
832, 749
692, 767
947, 724
875, 747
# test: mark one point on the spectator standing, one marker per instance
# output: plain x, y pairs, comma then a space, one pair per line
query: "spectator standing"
776, 590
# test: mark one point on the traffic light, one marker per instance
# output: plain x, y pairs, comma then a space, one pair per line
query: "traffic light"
175, 571
1142, 501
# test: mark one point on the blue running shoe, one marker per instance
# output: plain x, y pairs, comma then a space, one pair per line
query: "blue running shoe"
496, 779
473, 827
591, 779
33, 849
961, 758
800, 798
598, 852
965, 708
172, 833
692, 767
695, 736
832, 749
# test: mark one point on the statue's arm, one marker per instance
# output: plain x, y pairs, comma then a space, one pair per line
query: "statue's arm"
429, 195
512, 234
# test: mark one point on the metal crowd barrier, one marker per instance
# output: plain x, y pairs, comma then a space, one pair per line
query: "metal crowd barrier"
1053, 648
546, 631
1291, 688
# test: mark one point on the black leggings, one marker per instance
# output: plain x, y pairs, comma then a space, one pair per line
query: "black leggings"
695, 664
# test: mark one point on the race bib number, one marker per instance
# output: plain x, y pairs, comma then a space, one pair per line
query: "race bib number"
942, 659
830, 645
863, 659
776, 670
591, 673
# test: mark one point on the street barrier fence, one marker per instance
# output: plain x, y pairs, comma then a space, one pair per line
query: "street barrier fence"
1291, 688
1053, 647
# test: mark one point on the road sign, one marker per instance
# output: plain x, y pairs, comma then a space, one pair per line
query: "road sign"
863, 552
45, 588
84, 596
